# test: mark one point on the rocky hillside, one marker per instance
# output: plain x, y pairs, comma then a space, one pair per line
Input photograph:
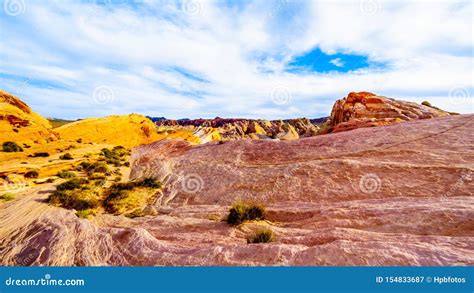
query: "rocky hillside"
366, 109
395, 195
127, 130
382, 196
231, 129
20, 124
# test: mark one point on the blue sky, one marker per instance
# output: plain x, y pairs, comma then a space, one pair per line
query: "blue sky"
256, 59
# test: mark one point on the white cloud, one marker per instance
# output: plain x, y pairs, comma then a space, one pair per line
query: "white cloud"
337, 62
146, 53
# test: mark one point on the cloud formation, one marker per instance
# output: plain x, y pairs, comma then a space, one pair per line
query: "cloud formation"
230, 58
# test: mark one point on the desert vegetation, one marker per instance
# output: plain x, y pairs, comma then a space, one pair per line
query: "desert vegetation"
39, 155
66, 156
7, 196
11, 147
262, 235
245, 211
31, 174
94, 186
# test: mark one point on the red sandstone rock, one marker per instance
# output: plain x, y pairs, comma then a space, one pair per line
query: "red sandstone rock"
366, 109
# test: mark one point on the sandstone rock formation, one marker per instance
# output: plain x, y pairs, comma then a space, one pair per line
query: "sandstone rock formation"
366, 109
396, 195
20, 124
127, 130
231, 129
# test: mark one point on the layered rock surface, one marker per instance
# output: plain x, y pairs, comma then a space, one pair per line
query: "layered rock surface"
396, 195
364, 109
20, 124
232, 129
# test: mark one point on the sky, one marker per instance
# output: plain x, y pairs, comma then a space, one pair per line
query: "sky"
250, 59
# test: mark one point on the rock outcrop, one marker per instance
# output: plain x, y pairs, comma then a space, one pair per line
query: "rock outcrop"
20, 124
127, 130
232, 129
366, 109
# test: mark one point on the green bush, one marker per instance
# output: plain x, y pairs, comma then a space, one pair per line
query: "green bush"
72, 184
241, 212
149, 182
426, 103
100, 183
11, 147
31, 174
263, 235
77, 199
97, 167
85, 214
114, 156
7, 196
66, 156
96, 176
66, 174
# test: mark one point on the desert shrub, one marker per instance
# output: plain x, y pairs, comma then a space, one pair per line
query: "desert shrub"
31, 174
263, 235
7, 196
136, 213
39, 154
100, 183
96, 176
79, 140
66, 174
97, 167
85, 214
72, 184
83, 166
149, 182
426, 103
242, 211
66, 156
75, 199
118, 178
126, 164
123, 198
114, 156
11, 147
